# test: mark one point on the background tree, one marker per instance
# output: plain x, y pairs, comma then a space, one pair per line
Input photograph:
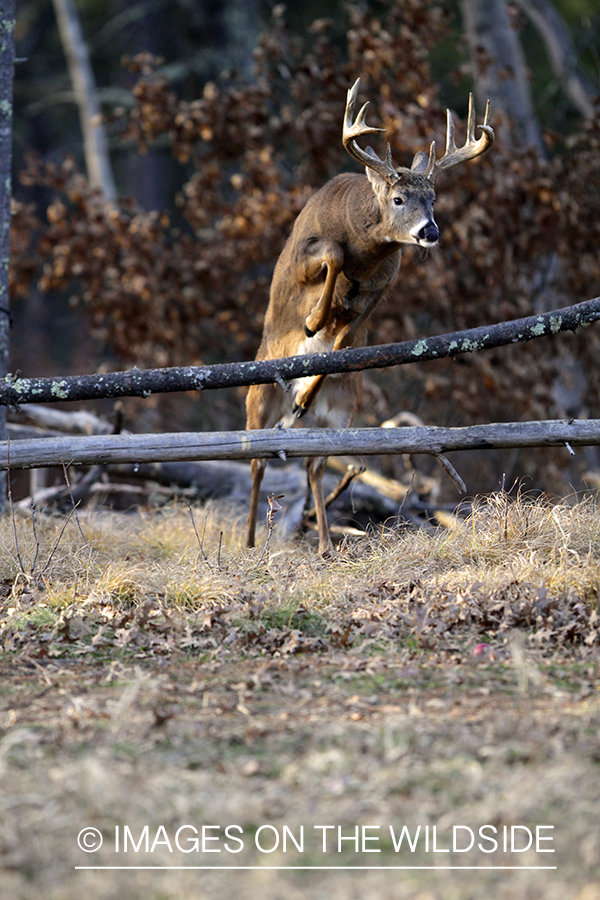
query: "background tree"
499, 69
562, 54
95, 145
7, 61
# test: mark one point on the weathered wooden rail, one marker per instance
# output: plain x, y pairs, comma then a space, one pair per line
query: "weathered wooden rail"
292, 442
296, 442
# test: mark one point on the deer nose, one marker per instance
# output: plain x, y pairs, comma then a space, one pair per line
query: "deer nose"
429, 234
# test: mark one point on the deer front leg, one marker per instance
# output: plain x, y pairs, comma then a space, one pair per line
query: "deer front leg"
263, 408
321, 256
305, 397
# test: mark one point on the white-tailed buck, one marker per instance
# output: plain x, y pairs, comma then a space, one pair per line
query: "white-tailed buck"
343, 253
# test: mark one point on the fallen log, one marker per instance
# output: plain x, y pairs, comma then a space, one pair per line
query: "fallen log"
80, 421
225, 481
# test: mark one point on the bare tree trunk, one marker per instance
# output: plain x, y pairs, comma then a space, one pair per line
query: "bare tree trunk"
561, 53
7, 62
95, 144
499, 69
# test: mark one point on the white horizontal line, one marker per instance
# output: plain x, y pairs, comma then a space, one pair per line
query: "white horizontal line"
329, 868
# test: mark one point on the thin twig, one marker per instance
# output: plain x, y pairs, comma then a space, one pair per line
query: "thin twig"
200, 539
12, 509
75, 506
37, 543
408, 490
58, 540
274, 507
219, 550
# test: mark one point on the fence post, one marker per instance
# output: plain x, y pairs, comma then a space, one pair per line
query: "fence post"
7, 61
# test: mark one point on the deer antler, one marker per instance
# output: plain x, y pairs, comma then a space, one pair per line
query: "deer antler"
355, 126
472, 148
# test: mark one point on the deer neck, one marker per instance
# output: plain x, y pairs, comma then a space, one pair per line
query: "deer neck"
368, 242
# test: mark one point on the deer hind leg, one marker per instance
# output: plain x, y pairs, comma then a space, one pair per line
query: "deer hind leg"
322, 255
263, 409
337, 409
258, 470
316, 467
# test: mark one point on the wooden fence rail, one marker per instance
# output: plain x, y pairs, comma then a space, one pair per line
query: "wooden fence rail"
284, 443
292, 442
15, 390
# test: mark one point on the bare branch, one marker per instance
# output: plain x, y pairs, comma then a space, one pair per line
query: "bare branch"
144, 382
451, 473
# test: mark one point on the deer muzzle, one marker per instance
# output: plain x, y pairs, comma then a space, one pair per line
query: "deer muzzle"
427, 235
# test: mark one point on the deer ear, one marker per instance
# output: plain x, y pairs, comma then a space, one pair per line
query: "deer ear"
420, 161
379, 184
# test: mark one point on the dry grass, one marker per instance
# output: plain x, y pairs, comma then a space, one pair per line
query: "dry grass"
193, 559
154, 671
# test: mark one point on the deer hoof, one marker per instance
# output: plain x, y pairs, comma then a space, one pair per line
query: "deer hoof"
298, 411
308, 331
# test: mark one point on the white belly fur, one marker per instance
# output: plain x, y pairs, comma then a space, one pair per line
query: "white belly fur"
333, 405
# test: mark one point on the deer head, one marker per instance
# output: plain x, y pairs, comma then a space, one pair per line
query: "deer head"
406, 196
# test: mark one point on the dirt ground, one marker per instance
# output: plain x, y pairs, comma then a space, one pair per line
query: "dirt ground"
230, 729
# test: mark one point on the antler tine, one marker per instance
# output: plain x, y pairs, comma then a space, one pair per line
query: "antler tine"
356, 126
471, 121
388, 158
431, 162
351, 99
472, 147
486, 118
450, 143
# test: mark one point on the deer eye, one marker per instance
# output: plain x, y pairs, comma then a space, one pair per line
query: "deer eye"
398, 201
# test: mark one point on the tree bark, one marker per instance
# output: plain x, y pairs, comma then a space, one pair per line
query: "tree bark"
7, 62
144, 382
